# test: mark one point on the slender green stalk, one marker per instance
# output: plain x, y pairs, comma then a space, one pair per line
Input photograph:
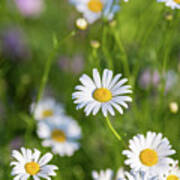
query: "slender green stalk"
108, 57
96, 60
114, 131
123, 53
48, 65
167, 49
30, 122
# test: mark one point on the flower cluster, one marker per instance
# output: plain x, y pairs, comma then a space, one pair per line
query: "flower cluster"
148, 157
55, 128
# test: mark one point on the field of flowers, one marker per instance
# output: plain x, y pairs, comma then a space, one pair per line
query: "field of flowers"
89, 89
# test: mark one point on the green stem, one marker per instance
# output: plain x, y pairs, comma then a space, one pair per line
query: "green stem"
123, 53
95, 58
48, 65
167, 50
114, 131
104, 46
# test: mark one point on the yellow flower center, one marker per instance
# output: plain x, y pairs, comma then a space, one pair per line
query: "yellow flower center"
102, 95
58, 135
172, 177
47, 113
95, 6
177, 1
149, 157
32, 168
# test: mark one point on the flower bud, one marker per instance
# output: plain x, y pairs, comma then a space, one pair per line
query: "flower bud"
81, 24
173, 106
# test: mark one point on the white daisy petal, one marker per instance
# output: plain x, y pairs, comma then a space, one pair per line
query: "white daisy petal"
174, 172
173, 4
103, 175
136, 175
114, 81
45, 159
96, 78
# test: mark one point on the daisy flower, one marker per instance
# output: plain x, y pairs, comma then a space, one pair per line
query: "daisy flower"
61, 133
92, 10
106, 93
149, 154
120, 174
103, 175
138, 176
124, 175
173, 173
174, 4
29, 164
46, 108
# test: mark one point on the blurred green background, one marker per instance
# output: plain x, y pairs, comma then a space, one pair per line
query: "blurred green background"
142, 43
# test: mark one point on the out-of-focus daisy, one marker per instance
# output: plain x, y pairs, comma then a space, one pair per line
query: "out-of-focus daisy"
29, 164
95, 9
46, 108
174, 4
61, 133
103, 175
103, 94
30, 8
173, 173
149, 154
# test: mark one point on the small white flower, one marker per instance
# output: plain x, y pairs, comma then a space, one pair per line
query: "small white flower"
61, 133
95, 9
174, 4
103, 175
149, 154
29, 163
46, 108
103, 94
173, 173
